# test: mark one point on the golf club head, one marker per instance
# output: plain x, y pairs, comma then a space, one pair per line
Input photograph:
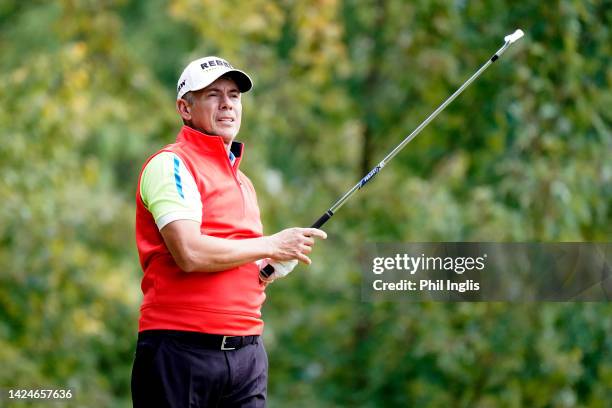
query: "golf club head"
514, 36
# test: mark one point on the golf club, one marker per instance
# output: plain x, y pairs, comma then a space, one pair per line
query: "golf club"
508, 40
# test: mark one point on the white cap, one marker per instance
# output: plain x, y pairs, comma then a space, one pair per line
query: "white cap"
204, 71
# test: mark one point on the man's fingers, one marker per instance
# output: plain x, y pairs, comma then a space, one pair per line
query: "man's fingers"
308, 241
314, 232
306, 249
304, 259
296, 242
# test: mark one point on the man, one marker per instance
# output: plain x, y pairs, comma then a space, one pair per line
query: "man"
199, 236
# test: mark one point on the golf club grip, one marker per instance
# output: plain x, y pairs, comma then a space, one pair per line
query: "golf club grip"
322, 220
267, 270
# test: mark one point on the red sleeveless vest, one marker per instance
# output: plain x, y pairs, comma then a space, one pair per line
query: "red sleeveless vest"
227, 302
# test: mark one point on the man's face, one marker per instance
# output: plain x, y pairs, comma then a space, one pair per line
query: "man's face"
217, 110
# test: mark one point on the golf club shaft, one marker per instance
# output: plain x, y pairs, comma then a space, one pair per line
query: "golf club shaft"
340, 202
509, 39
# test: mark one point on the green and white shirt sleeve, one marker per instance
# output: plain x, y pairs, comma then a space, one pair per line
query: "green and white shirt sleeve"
169, 191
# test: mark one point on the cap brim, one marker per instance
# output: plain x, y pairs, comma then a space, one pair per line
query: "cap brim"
242, 80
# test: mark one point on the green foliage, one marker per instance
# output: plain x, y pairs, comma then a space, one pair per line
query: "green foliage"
522, 155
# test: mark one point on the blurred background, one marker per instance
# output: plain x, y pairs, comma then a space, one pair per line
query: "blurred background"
87, 90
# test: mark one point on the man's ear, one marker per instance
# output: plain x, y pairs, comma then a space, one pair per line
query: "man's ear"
184, 109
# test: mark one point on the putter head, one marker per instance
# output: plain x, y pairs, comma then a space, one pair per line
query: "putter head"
514, 36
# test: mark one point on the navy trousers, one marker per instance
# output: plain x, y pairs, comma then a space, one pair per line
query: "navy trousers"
177, 371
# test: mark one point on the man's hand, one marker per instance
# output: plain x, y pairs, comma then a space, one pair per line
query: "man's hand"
294, 243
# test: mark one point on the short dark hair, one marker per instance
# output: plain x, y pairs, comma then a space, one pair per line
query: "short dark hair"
189, 97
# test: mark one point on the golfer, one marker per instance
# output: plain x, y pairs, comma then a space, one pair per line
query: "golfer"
199, 238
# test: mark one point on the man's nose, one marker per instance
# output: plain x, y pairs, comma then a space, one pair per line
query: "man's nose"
226, 102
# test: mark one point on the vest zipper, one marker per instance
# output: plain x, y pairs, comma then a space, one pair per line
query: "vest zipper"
238, 183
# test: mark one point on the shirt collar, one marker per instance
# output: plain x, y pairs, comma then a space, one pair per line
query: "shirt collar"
211, 144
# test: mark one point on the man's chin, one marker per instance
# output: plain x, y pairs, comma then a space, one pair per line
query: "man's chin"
227, 138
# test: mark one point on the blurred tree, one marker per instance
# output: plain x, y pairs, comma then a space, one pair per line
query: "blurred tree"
75, 125
523, 155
